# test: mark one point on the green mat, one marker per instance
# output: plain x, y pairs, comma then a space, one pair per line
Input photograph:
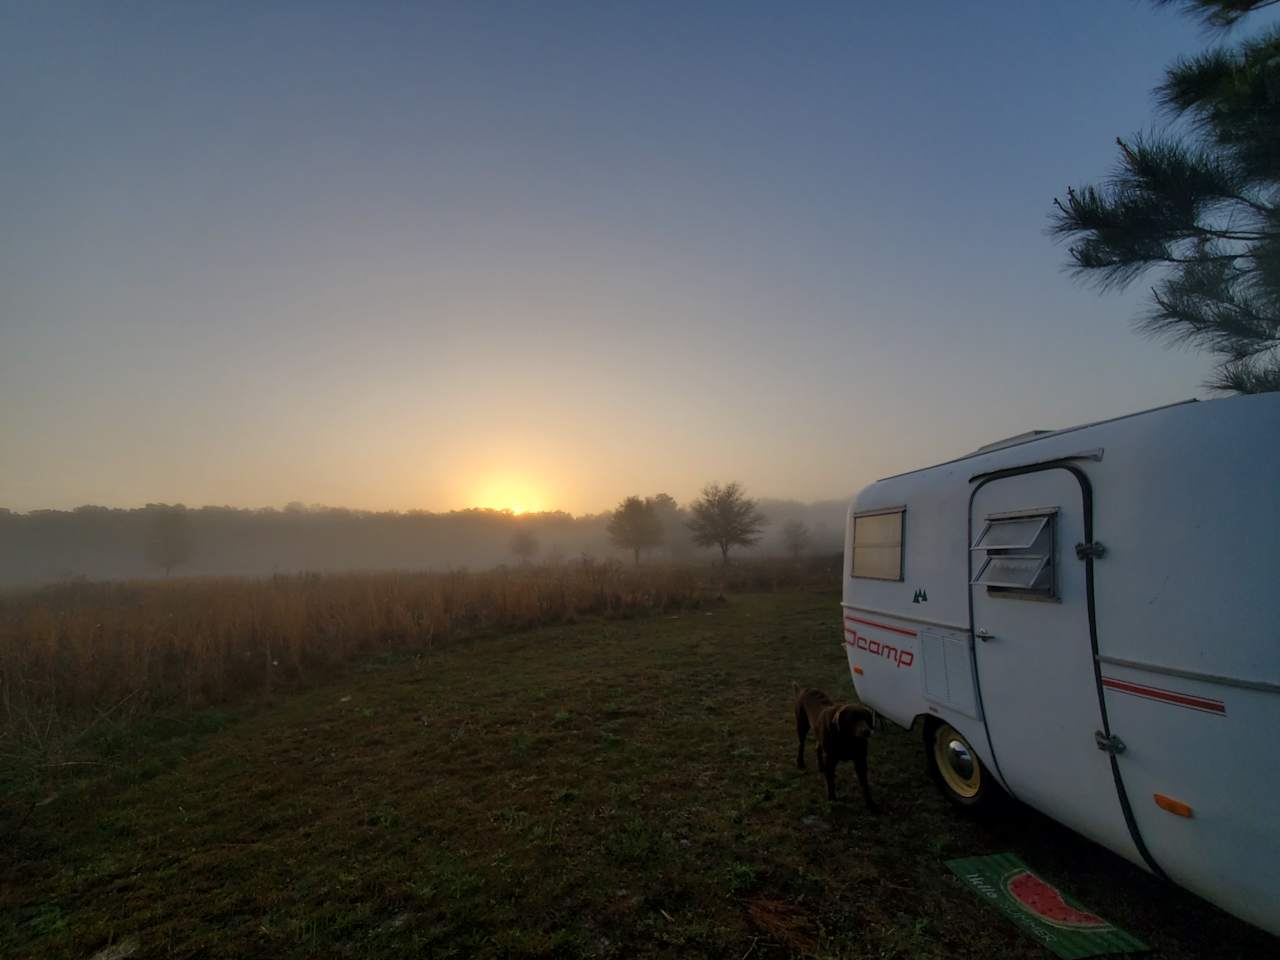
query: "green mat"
1057, 921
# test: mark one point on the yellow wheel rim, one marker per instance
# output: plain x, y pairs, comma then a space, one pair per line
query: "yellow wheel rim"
957, 762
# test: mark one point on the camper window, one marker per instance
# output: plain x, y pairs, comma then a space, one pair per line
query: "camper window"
877, 545
1016, 554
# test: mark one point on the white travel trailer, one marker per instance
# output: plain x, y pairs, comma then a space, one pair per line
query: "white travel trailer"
1090, 618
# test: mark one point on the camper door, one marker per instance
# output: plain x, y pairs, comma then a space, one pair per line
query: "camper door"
1034, 652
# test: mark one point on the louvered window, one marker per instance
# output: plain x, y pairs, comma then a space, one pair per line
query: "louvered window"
1014, 554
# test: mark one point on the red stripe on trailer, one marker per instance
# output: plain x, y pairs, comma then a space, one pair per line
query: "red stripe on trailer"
1204, 704
882, 626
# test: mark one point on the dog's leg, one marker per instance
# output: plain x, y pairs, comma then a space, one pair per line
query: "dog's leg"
831, 781
828, 766
802, 731
860, 765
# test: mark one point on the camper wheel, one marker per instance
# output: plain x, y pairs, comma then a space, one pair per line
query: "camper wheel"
955, 767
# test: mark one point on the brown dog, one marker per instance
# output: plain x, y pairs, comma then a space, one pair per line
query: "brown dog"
841, 731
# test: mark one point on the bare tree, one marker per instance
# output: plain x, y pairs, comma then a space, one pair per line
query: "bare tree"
524, 545
796, 537
635, 526
725, 517
168, 542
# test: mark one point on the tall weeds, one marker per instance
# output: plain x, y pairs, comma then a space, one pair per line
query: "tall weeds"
92, 673
75, 652
77, 648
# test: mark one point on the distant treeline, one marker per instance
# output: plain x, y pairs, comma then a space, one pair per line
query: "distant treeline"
160, 539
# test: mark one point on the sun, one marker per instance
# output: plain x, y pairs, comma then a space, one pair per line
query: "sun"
508, 493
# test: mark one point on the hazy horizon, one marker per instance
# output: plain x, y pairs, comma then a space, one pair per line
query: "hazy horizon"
299, 505
338, 507
106, 543
397, 258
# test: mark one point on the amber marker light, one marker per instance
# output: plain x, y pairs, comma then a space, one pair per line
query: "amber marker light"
1176, 807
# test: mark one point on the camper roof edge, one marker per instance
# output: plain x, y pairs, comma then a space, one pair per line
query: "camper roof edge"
1043, 436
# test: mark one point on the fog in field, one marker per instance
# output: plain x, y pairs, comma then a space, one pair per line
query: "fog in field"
533, 258
160, 540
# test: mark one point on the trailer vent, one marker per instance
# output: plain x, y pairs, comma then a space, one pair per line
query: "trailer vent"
1017, 554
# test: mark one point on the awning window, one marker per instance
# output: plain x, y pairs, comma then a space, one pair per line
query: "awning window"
1015, 573
1014, 554
1016, 533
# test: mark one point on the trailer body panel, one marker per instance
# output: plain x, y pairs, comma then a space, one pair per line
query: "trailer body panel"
1116, 665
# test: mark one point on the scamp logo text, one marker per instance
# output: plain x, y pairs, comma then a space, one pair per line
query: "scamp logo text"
903, 658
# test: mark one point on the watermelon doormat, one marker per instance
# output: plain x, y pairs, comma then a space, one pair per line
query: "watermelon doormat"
1058, 922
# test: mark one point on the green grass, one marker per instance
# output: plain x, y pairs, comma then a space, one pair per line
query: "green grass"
615, 789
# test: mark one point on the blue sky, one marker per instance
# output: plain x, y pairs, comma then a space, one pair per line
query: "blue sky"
547, 255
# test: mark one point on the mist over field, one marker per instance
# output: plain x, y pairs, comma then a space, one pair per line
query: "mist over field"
43, 546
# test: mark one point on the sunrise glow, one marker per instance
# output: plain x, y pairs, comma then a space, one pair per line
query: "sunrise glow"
509, 493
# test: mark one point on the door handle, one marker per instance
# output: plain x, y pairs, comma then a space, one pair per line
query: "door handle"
984, 635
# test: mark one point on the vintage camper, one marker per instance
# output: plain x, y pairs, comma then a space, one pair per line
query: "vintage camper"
1090, 619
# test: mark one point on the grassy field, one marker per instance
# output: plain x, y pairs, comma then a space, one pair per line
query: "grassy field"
609, 788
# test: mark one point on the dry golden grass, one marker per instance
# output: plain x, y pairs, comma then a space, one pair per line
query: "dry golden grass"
76, 651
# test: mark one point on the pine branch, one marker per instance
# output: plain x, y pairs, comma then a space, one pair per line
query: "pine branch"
1244, 377
1204, 207
1232, 99
1164, 204
1209, 305
1217, 14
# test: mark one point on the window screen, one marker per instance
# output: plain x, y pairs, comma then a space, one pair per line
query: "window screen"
1015, 555
877, 545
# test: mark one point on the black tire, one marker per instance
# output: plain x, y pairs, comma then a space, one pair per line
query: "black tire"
955, 768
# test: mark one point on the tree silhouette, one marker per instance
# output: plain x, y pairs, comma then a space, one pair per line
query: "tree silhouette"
635, 526
725, 517
168, 543
675, 534
1204, 205
524, 545
796, 536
